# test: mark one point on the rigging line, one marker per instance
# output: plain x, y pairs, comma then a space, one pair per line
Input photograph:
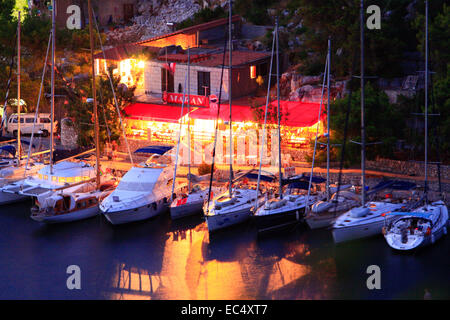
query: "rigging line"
179, 139
217, 125
112, 88
317, 132
436, 131
265, 121
344, 143
44, 70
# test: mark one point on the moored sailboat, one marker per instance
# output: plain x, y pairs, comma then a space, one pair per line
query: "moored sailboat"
426, 224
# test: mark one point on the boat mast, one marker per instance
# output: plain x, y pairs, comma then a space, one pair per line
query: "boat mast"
189, 118
280, 174
230, 45
328, 120
426, 104
363, 130
94, 94
52, 99
19, 151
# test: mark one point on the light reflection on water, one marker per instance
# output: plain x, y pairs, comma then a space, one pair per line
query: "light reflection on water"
196, 267
164, 259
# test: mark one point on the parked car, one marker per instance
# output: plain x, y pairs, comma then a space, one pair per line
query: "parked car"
26, 124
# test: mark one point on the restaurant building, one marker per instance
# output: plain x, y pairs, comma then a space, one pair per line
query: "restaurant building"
158, 68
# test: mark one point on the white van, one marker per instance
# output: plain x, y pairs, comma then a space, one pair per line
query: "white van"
26, 124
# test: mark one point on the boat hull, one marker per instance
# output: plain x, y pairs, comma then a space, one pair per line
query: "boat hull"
136, 214
225, 220
318, 221
366, 230
67, 217
271, 221
189, 209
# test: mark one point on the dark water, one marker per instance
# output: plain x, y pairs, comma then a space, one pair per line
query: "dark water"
160, 259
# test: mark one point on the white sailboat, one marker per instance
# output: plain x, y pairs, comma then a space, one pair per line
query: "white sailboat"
143, 192
190, 202
80, 201
286, 209
368, 219
323, 212
12, 166
234, 206
226, 211
428, 223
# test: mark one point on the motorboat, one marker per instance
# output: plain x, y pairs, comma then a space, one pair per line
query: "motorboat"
143, 192
423, 226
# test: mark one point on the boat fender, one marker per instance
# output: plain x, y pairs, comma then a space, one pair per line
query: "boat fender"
432, 238
445, 230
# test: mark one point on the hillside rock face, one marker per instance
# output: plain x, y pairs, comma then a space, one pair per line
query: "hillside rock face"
152, 18
297, 87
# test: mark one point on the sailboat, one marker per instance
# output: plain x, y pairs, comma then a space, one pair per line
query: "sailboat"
368, 219
428, 223
80, 201
189, 202
288, 208
61, 175
324, 212
233, 206
12, 166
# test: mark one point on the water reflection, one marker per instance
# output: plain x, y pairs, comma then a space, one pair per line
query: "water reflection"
195, 266
164, 259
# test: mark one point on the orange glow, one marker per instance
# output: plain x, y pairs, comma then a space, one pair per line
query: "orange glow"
183, 40
252, 72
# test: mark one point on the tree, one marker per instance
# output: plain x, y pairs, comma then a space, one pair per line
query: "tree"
383, 121
81, 110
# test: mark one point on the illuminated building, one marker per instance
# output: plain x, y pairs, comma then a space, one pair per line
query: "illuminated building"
158, 66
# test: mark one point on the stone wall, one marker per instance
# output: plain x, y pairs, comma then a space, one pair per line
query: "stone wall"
410, 168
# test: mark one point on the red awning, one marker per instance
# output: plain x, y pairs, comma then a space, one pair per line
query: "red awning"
299, 114
154, 112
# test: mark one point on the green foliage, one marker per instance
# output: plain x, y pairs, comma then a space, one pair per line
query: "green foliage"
438, 34
82, 112
254, 11
383, 122
340, 20
202, 16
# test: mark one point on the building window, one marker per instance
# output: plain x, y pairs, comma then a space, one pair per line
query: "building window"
166, 80
252, 72
203, 83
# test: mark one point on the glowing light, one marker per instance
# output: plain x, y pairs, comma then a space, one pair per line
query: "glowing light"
141, 64
252, 72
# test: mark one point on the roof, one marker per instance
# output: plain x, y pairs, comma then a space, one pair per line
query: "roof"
192, 29
125, 51
216, 59
154, 112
